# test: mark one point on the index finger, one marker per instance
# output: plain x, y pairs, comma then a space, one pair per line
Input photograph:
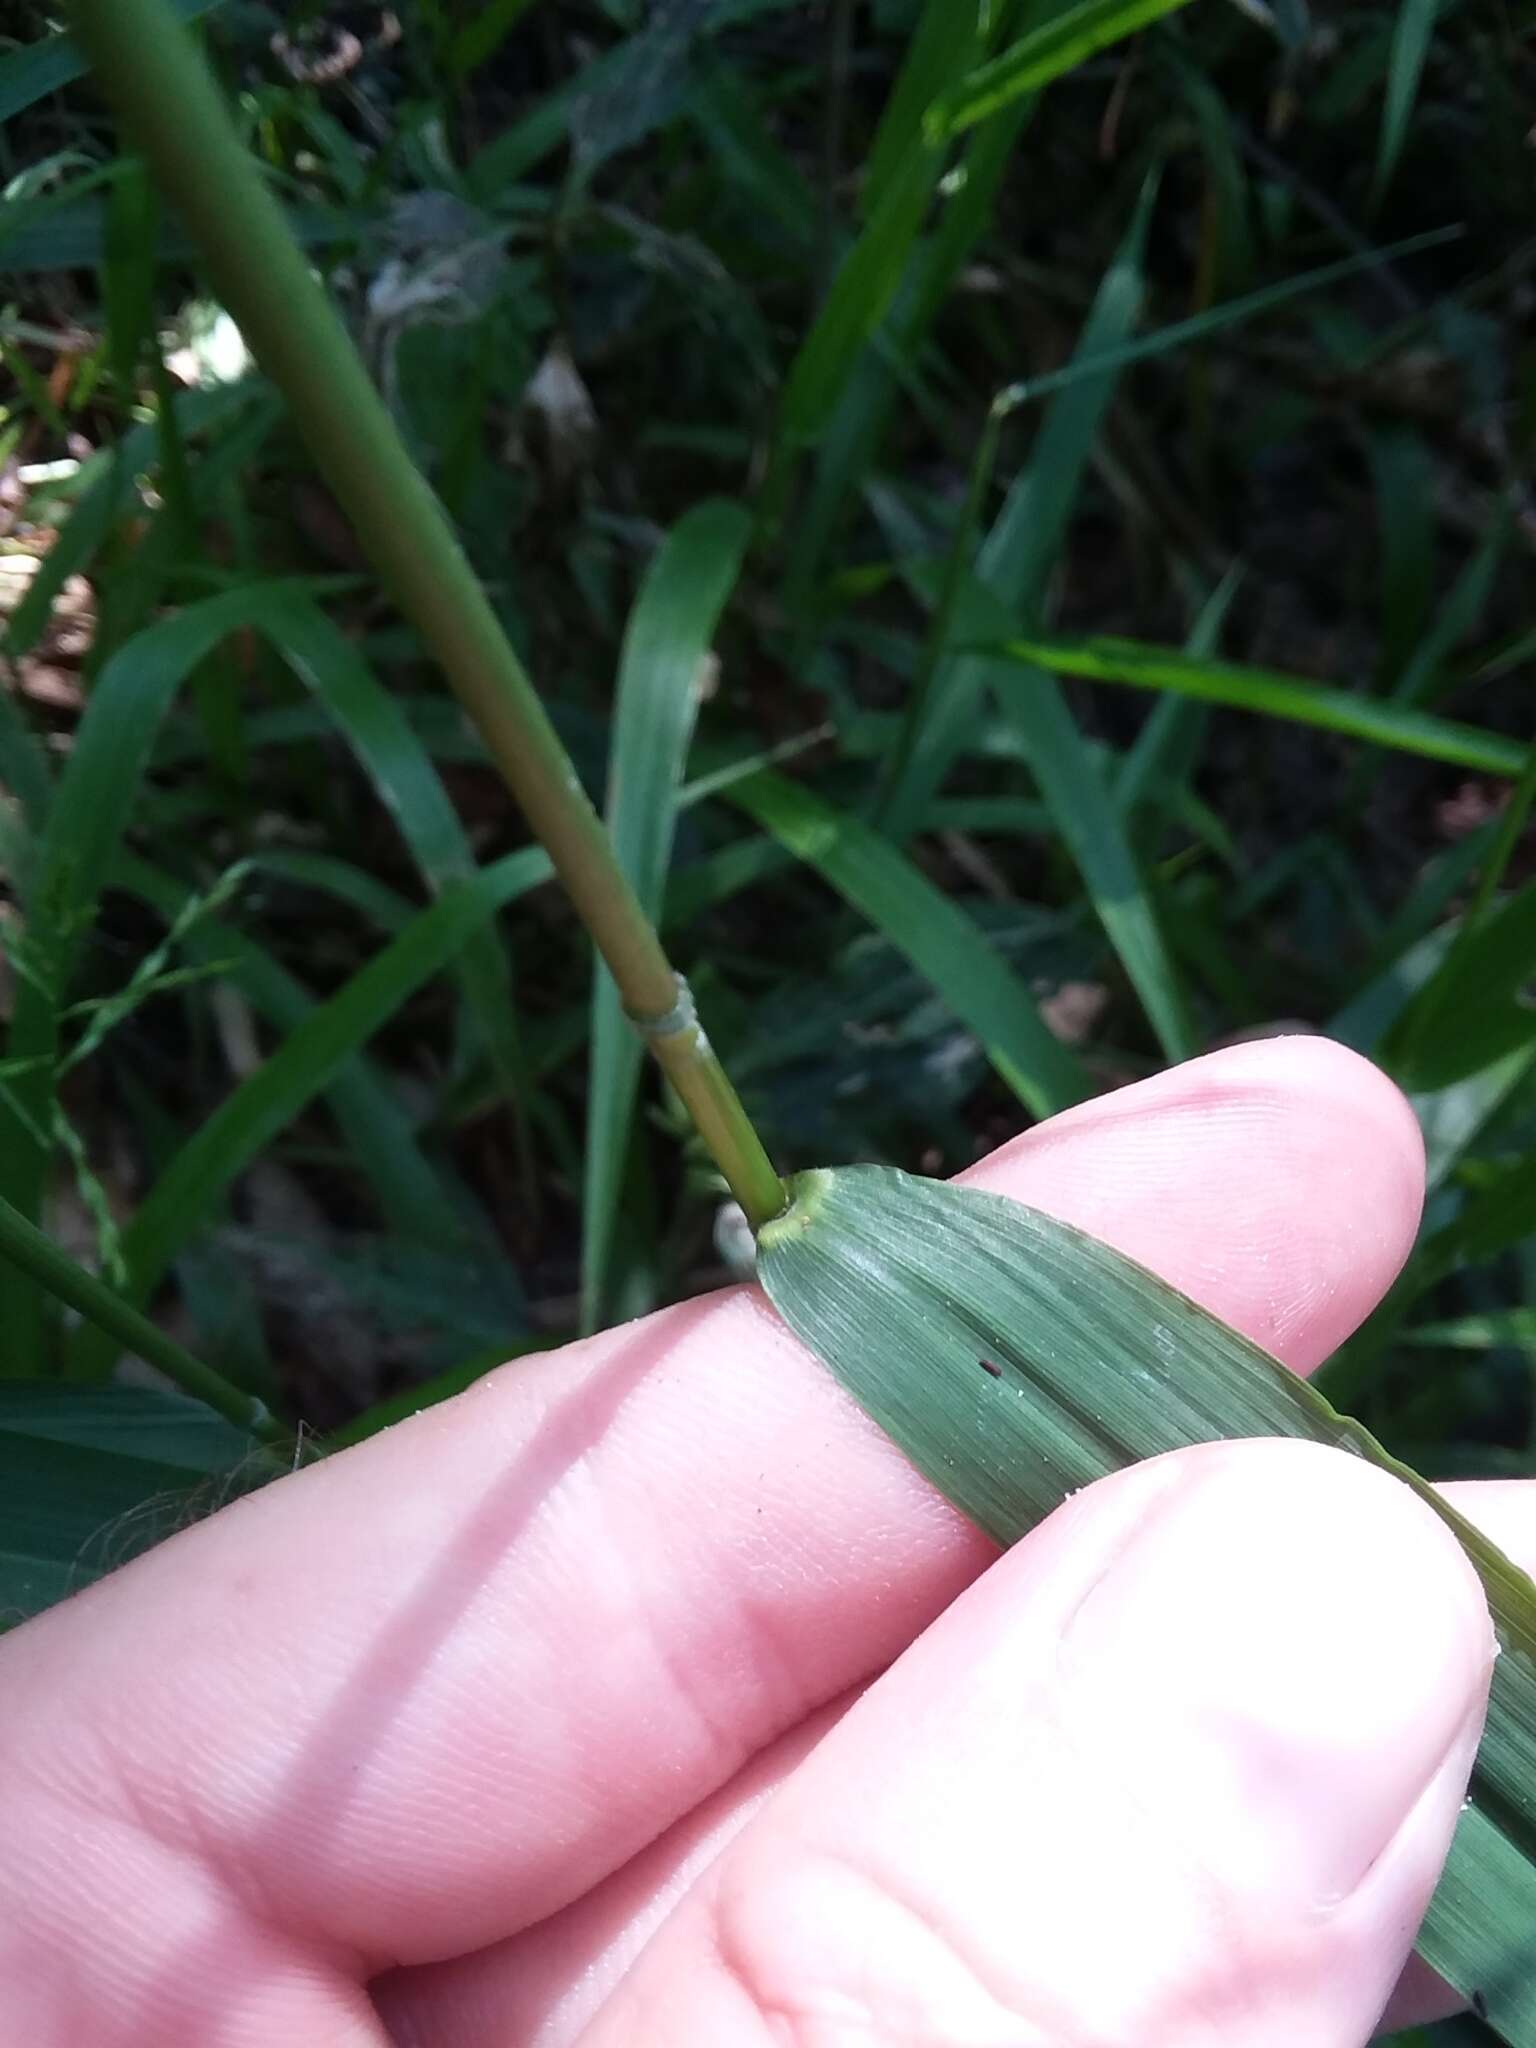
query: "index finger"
420, 1696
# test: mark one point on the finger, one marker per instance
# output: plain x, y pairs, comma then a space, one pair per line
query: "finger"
1162, 1777
423, 1695
542, 1987
1504, 1509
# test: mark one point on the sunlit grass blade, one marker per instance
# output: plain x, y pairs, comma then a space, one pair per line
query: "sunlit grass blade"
937, 938
1085, 814
1044, 54
1272, 695
656, 703
1015, 1360
306, 1063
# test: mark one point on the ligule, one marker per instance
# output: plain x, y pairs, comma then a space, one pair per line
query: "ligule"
1014, 1360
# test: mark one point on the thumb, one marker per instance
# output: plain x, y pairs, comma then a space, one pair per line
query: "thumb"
1181, 1768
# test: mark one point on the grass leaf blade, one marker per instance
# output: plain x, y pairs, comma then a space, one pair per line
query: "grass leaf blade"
1380, 723
924, 925
1014, 1359
1046, 53
686, 588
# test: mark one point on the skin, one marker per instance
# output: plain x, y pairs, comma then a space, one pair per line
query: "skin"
644, 1694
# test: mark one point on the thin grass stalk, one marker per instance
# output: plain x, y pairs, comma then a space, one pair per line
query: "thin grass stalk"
173, 111
25, 1247
957, 566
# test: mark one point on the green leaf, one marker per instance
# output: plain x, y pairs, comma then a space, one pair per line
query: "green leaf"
128, 266
1512, 1326
1017, 557
924, 925
1477, 1009
1273, 695
37, 69
944, 44
1162, 760
94, 798
1012, 571
684, 591
1043, 55
1405, 67
861, 293
376, 728
1087, 817
90, 1476
307, 1062
1015, 1360
412, 1194
483, 34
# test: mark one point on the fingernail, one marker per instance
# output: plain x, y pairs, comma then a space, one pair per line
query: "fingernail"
1306, 1647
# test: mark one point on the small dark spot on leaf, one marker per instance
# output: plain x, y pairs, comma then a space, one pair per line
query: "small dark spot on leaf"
987, 1366
1480, 2005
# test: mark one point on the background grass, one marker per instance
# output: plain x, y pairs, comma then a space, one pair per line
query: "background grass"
843, 405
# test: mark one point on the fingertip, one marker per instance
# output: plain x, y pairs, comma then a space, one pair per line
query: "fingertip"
1279, 1182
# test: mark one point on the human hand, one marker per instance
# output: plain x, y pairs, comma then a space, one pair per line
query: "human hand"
553, 1715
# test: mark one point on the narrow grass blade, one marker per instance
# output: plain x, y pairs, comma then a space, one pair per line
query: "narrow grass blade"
304, 1066
1231, 313
861, 293
1476, 1010
23, 764
1403, 474
727, 115
1043, 55
23, 1246
90, 520
375, 727
1017, 557
1512, 1326
924, 925
1015, 1360
415, 1199
942, 48
1272, 695
1163, 757
92, 803
128, 266
32, 72
1405, 67
483, 34
685, 589
1012, 573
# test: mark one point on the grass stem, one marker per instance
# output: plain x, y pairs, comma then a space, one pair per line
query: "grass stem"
150, 68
